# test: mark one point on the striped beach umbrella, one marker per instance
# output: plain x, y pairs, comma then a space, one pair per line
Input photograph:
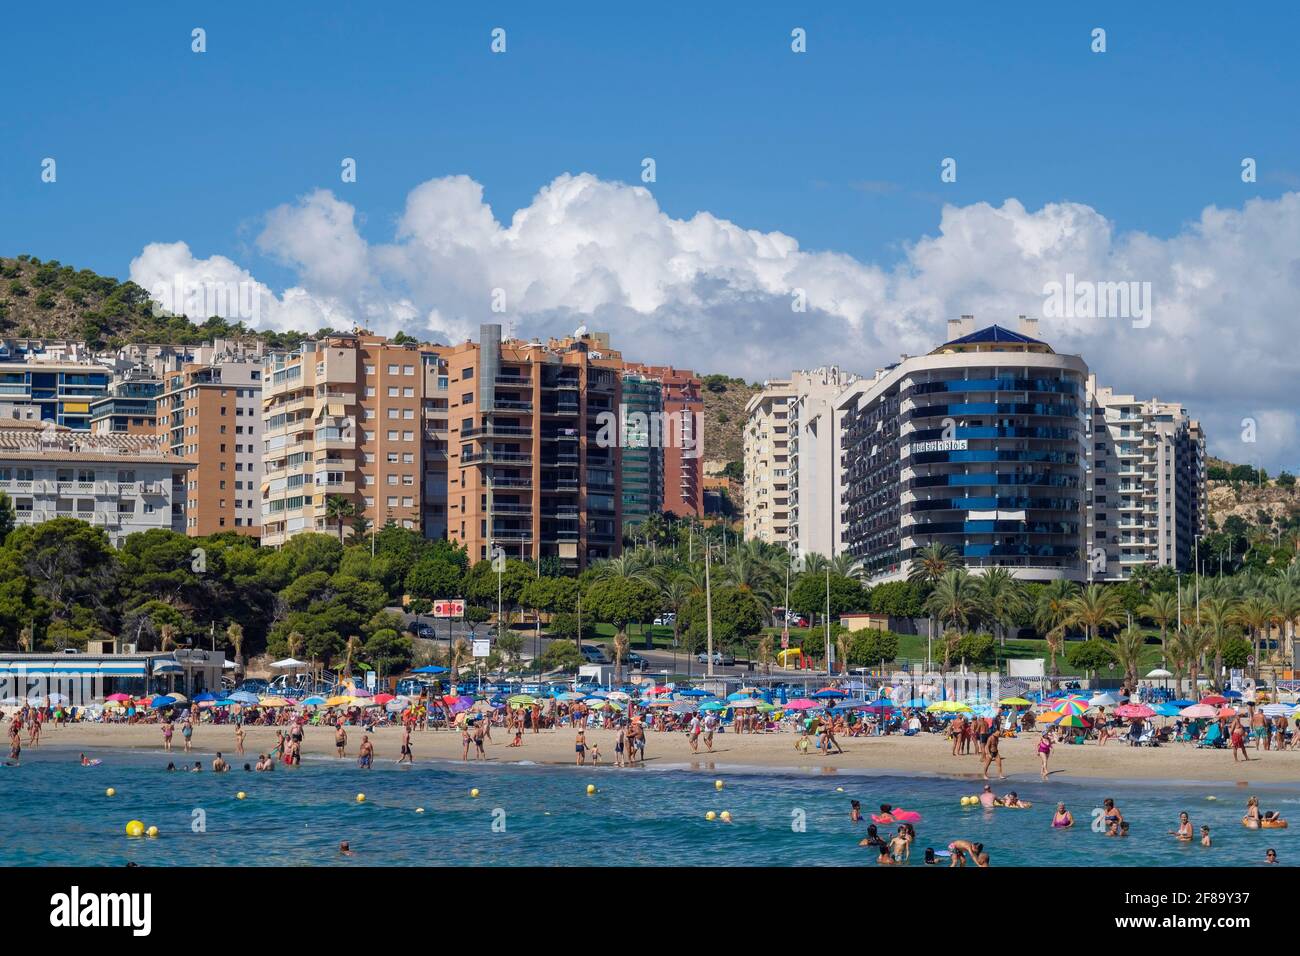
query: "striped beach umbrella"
1058, 719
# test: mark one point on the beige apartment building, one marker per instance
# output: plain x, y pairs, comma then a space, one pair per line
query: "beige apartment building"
767, 463
529, 468
211, 414
344, 418
1146, 476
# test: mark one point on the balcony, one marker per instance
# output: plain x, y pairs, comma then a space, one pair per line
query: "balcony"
495, 483
511, 405
491, 430
489, 456
508, 380
512, 534
510, 508
561, 408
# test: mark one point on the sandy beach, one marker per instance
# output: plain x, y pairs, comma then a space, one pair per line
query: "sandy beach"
926, 754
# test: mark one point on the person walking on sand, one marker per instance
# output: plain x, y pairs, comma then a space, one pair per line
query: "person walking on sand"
993, 754
1238, 737
693, 733
167, 728
406, 754
187, 732
1044, 751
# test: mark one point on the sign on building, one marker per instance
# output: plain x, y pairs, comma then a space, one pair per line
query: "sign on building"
453, 608
482, 647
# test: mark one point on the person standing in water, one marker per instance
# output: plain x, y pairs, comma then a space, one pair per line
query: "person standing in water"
992, 755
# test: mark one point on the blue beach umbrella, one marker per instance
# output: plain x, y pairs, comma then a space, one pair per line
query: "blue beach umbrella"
1167, 710
205, 696
714, 705
314, 701
242, 697
693, 692
162, 701
917, 702
828, 695
1181, 703
430, 669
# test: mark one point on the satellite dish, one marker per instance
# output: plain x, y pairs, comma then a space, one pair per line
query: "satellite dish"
580, 331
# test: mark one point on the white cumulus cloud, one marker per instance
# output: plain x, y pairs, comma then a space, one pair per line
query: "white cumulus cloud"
707, 293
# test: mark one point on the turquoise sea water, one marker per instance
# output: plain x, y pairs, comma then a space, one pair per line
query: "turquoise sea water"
56, 813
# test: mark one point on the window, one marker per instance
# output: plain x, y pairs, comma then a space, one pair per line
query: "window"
370, 370
408, 369
467, 374
408, 436
467, 398
392, 370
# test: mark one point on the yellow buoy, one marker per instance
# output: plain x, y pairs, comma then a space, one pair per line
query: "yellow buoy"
152, 831
361, 798
839, 789
725, 816
965, 801
710, 816
241, 795
474, 792
591, 788
717, 785
110, 792
134, 828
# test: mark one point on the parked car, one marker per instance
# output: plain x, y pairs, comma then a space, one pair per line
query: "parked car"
595, 655
727, 660
665, 620
253, 685
635, 662
421, 629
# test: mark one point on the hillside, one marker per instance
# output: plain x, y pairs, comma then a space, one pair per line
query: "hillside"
51, 300
724, 416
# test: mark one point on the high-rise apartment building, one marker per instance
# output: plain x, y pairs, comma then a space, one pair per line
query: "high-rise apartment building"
210, 413
534, 466
1146, 467
344, 433
816, 477
979, 446
681, 437
767, 463
641, 412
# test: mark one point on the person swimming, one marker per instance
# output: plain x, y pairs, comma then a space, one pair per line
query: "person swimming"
1012, 801
855, 813
1062, 819
988, 799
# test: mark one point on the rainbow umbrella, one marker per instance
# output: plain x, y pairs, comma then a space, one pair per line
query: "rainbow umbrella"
1066, 720
1075, 706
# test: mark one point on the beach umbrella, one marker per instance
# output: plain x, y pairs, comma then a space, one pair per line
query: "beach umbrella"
1071, 705
766, 708
829, 693
242, 697
856, 703
690, 692
205, 696
459, 704
162, 701
1228, 712
1232, 694
1277, 710
745, 704
737, 696
751, 690
1199, 711
382, 699
714, 705
619, 695
1182, 703
1011, 702
313, 701
920, 702
1103, 700
682, 707
802, 703
1068, 720
1159, 673
527, 700
339, 700
1214, 700
430, 669
178, 697
1134, 711
1167, 710
111, 697
273, 701
948, 707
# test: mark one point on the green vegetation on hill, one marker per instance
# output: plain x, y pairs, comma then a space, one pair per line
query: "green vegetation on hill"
50, 300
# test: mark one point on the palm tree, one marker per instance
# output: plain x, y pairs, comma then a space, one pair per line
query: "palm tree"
1255, 613
1052, 617
756, 573
350, 652
25, 640
954, 600
1186, 648
764, 653
1286, 609
338, 507
620, 652
843, 640
294, 643
235, 635
1219, 615
630, 565
1000, 598
168, 637
675, 590
1162, 609
932, 562
457, 656
1095, 607
1130, 644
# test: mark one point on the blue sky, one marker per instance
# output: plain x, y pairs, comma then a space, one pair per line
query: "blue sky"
1079, 157
839, 147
